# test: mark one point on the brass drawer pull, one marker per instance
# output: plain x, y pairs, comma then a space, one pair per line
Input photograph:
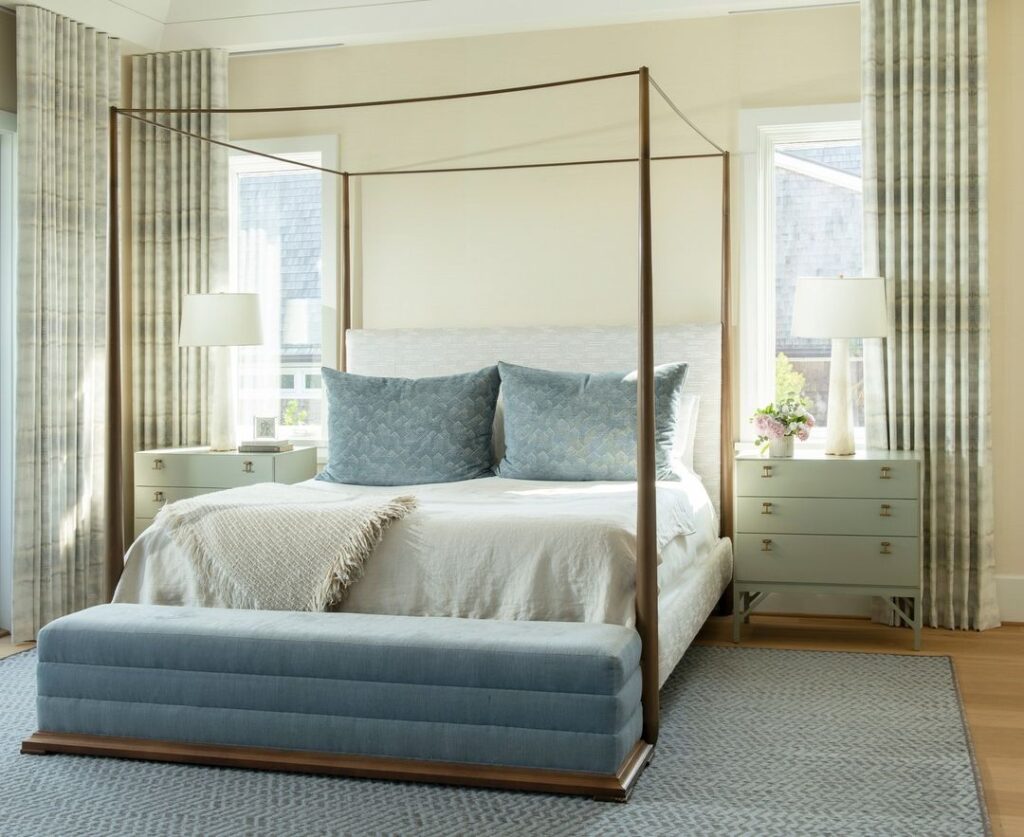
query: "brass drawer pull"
766, 545
158, 497
158, 464
885, 473
766, 508
766, 472
886, 548
885, 511
247, 466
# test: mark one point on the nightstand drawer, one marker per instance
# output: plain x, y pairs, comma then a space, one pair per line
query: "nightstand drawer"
825, 478
822, 559
205, 470
149, 499
814, 516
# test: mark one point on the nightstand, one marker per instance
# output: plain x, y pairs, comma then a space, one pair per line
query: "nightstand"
829, 524
169, 474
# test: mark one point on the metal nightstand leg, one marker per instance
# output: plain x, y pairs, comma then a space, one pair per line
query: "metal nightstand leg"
743, 604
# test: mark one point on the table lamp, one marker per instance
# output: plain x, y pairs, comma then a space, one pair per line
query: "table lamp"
221, 321
839, 308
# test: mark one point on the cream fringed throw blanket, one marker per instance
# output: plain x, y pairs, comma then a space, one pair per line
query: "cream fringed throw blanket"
279, 547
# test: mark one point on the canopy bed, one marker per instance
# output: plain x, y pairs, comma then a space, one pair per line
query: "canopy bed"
677, 554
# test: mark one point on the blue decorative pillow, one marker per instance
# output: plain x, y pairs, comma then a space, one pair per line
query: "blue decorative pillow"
403, 431
576, 426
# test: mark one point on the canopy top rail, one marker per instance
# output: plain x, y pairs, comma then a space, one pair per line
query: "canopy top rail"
473, 94
135, 114
384, 172
683, 116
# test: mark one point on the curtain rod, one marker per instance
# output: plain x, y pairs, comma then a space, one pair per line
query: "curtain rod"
380, 102
385, 172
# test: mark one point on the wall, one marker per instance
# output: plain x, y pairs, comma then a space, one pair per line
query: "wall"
8, 64
560, 248
545, 247
1006, 256
548, 246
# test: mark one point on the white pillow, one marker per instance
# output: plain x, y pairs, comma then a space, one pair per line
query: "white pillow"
686, 432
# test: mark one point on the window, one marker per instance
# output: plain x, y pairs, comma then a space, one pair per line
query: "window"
283, 244
8, 194
803, 217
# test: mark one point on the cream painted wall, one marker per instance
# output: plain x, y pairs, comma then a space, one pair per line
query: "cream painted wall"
8, 64
1006, 271
560, 248
550, 247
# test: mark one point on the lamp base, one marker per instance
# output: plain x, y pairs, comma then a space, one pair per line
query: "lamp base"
839, 432
223, 436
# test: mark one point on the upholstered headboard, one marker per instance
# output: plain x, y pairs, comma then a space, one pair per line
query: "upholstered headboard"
417, 353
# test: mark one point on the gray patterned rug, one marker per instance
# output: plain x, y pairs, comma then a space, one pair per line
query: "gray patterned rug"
753, 742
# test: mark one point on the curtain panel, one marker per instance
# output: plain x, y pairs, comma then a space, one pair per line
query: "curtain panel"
925, 173
179, 237
68, 78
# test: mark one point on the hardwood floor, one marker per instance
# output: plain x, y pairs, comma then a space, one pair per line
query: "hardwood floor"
7, 648
989, 668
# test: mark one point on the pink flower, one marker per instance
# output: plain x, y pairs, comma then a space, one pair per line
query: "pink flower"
803, 434
809, 421
774, 429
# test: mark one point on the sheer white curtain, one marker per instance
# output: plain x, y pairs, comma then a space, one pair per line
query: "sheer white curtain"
179, 226
68, 77
925, 182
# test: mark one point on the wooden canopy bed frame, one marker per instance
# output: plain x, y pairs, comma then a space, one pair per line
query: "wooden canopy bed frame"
614, 787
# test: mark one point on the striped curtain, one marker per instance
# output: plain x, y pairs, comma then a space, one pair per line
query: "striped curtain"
925, 171
179, 223
68, 77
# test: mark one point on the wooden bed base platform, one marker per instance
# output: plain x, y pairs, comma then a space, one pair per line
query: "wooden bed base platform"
615, 788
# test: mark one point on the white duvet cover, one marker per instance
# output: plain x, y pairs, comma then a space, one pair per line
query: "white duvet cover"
488, 549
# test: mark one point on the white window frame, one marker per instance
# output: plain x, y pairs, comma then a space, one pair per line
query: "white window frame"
8, 347
327, 146
761, 130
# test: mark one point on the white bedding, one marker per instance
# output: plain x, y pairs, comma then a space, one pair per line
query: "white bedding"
490, 549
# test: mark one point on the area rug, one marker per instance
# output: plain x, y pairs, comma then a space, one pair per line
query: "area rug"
753, 741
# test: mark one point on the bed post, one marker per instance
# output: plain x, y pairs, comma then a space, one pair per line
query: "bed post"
113, 476
344, 295
727, 450
646, 506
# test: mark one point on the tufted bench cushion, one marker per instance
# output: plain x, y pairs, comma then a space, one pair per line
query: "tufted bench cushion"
557, 695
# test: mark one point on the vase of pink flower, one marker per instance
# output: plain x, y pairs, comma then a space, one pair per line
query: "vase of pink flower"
779, 424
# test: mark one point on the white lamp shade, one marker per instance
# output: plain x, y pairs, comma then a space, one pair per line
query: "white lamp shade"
220, 320
839, 307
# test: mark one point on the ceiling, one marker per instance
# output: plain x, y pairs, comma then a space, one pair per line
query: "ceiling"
250, 25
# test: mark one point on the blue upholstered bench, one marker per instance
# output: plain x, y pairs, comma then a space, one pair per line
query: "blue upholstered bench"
537, 705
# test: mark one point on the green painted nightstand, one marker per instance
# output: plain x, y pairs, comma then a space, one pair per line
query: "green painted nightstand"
829, 524
169, 474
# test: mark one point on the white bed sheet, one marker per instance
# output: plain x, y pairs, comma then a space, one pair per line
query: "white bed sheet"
504, 549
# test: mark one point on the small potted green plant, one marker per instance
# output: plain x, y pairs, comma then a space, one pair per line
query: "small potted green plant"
779, 424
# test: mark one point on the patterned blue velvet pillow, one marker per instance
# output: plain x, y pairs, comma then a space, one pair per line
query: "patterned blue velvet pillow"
576, 426
403, 431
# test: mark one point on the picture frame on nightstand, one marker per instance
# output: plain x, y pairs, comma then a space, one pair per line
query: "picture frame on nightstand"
264, 427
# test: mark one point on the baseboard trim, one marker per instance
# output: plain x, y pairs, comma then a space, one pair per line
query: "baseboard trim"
1010, 593
816, 604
